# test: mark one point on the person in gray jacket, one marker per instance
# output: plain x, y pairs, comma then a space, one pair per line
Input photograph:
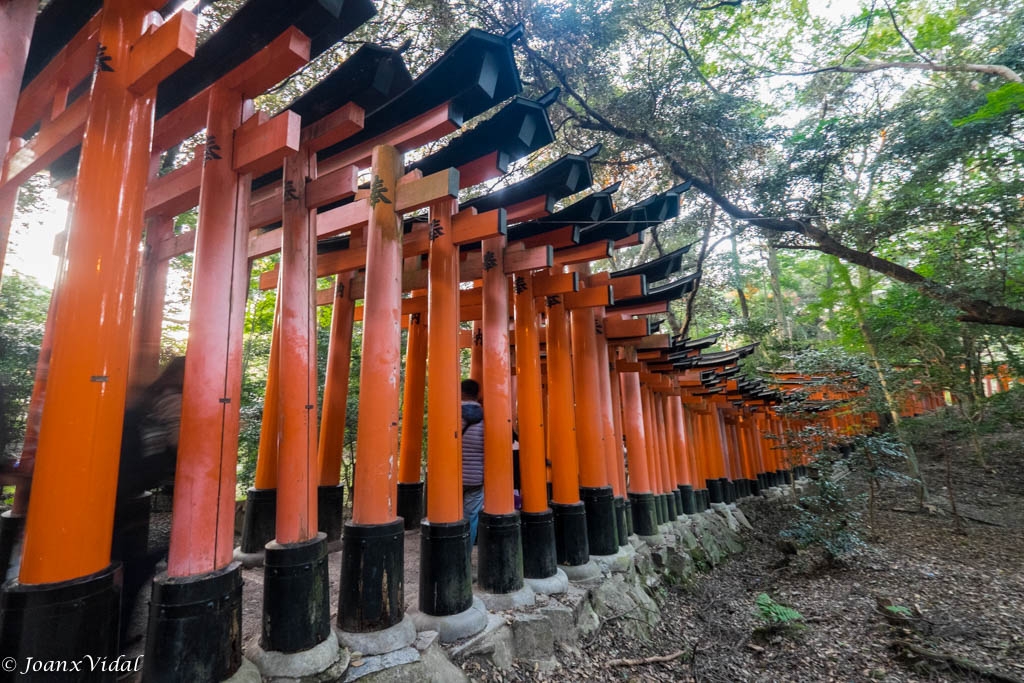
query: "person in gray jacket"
472, 455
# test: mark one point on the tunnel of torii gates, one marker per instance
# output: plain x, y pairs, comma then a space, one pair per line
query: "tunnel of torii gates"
620, 428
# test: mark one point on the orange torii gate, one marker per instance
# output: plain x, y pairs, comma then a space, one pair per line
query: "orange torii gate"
66, 559
694, 429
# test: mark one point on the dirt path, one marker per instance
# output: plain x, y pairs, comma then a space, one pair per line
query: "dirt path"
967, 590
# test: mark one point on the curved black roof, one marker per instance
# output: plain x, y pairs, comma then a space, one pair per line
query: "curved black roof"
659, 268
566, 176
477, 72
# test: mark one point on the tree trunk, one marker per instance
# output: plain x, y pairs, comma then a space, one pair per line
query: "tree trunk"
869, 342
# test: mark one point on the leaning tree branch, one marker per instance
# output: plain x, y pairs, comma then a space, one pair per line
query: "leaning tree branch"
974, 310
870, 65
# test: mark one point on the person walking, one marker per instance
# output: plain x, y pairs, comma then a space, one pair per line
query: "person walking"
472, 455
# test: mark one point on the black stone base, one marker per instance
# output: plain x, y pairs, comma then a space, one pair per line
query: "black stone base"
602, 531
630, 529
728, 491
645, 513
62, 621
330, 508
11, 527
410, 504
703, 499
673, 505
571, 546
678, 495
622, 520
755, 486
716, 494
446, 581
296, 595
540, 560
762, 481
195, 627
660, 511
258, 527
688, 499
499, 553
371, 594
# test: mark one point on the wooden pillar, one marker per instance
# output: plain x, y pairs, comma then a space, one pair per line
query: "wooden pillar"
641, 492
571, 535
371, 596
496, 377
149, 315
410, 486
202, 532
597, 495
561, 419
17, 18
80, 435
297, 454
500, 564
476, 354
444, 421
67, 544
446, 583
538, 531
331, 443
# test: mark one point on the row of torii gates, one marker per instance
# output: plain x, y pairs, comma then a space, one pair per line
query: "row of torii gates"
101, 93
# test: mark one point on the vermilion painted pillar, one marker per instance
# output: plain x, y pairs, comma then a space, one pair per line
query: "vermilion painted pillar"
594, 485
410, 486
297, 381
200, 563
296, 586
476, 354
684, 458
66, 567
331, 443
570, 514
259, 523
652, 445
500, 558
671, 455
538, 531
371, 596
17, 18
149, 315
618, 441
446, 584
611, 429
644, 507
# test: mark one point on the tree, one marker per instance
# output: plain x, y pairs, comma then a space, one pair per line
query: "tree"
877, 160
23, 306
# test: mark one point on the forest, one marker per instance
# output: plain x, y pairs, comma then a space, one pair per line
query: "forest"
855, 207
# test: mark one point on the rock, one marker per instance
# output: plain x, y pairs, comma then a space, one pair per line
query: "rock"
741, 517
611, 599
587, 620
723, 510
562, 620
494, 643
532, 636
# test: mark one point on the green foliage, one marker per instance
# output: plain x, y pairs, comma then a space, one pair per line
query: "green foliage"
900, 610
1008, 98
775, 614
23, 306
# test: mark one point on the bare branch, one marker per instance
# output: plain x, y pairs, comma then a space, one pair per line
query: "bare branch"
895, 25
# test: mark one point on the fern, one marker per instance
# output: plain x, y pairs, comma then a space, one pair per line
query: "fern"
775, 614
900, 610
